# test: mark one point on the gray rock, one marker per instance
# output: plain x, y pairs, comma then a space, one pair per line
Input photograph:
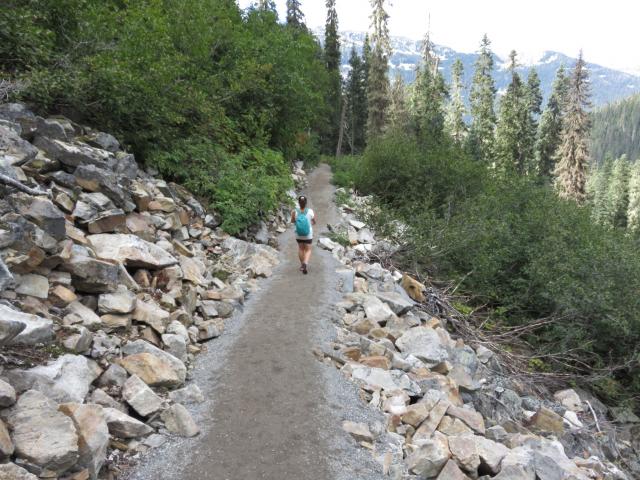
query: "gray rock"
66, 379
96, 179
42, 212
33, 286
399, 304
187, 395
376, 310
51, 128
34, 418
72, 155
91, 275
490, 452
423, 343
154, 440
359, 431
122, 301
126, 165
176, 345
122, 425
102, 398
114, 376
178, 420
131, 251
210, 329
13, 149
177, 328
6, 278
93, 435
428, 460
141, 398
7, 394
78, 313
79, 342
36, 329
569, 399
376, 378
6, 444
346, 280
150, 313
104, 141
262, 235
11, 471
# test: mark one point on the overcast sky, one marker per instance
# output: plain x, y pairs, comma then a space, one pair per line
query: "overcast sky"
607, 31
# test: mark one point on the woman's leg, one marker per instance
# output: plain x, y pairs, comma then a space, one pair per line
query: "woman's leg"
301, 252
307, 253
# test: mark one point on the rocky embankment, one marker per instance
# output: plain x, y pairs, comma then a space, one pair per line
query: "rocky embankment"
111, 281
452, 413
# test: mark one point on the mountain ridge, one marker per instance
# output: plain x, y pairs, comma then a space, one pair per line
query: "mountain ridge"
607, 84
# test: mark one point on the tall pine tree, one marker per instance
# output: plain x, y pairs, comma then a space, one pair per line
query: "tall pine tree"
617, 198
267, 5
398, 108
550, 128
633, 212
332, 62
512, 124
378, 80
597, 188
482, 97
533, 98
573, 161
429, 93
456, 110
295, 17
356, 98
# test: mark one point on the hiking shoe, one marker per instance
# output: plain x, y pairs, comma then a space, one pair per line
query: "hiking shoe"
304, 268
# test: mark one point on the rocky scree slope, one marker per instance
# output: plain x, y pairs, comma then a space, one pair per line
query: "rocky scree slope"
451, 410
111, 281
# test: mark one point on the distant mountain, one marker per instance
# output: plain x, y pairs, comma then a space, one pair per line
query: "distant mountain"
607, 85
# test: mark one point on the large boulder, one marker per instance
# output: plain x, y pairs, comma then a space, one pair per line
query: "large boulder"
152, 314
428, 460
94, 179
23, 328
7, 394
141, 398
42, 212
425, 344
73, 154
41, 434
6, 444
400, 304
376, 310
93, 434
154, 370
178, 420
122, 301
122, 425
66, 379
13, 149
140, 346
78, 313
91, 275
131, 251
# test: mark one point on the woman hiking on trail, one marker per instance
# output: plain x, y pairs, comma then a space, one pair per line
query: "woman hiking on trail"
304, 218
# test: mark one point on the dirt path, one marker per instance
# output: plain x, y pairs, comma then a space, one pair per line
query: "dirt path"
274, 411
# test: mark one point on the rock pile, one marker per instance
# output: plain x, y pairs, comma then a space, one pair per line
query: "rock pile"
113, 279
449, 412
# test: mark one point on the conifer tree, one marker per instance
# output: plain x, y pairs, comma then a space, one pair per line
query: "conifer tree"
456, 109
633, 212
378, 80
356, 98
512, 124
295, 17
429, 93
398, 108
332, 62
617, 197
550, 127
482, 97
532, 113
573, 158
597, 188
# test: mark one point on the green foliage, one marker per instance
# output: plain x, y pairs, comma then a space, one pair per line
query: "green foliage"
356, 98
514, 245
195, 87
345, 170
616, 130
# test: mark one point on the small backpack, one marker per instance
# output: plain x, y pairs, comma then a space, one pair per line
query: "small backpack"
303, 226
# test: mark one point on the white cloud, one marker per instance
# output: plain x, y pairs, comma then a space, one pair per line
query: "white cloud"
607, 32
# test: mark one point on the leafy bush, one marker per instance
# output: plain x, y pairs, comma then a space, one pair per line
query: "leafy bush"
197, 88
515, 246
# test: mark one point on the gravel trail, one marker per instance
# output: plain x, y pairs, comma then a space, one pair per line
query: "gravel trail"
272, 410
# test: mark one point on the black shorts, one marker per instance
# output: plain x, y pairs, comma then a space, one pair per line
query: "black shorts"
303, 241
